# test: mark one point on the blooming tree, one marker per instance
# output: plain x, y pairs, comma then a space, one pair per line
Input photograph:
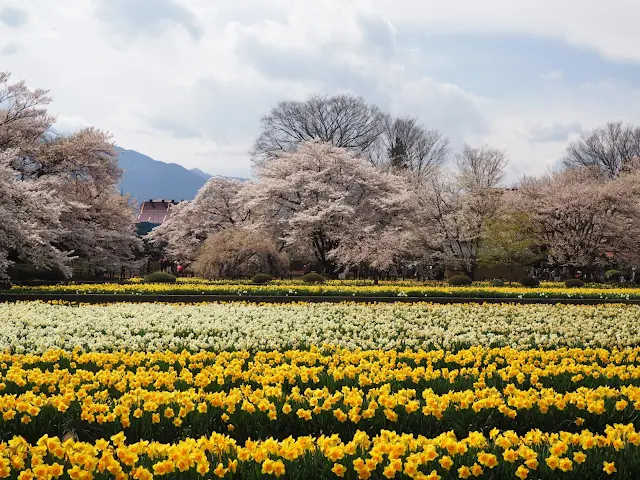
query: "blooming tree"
30, 224
80, 170
326, 203
99, 223
215, 208
582, 217
23, 115
87, 158
99, 228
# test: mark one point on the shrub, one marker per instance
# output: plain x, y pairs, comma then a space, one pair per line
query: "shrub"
160, 277
497, 282
313, 277
5, 285
460, 280
613, 275
574, 283
261, 278
529, 282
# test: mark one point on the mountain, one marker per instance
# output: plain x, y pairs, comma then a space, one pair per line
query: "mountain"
145, 178
204, 175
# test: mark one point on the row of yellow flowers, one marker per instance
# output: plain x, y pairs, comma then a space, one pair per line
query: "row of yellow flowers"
386, 455
385, 290
407, 282
123, 370
256, 411
323, 389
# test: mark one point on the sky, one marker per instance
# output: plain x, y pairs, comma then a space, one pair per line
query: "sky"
187, 81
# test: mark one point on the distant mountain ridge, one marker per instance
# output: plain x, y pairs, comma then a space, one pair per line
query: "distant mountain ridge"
204, 175
147, 179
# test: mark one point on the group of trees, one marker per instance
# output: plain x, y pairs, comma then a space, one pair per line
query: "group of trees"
318, 202
341, 184
59, 206
338, 183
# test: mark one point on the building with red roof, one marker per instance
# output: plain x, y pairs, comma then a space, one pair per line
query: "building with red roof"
155, 212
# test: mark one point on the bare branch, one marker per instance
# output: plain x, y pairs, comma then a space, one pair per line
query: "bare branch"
612, 149
481, 168
342, 120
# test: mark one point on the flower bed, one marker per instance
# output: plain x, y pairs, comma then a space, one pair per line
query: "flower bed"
141, 391
340, 411
38, 326
385, 456
338, 289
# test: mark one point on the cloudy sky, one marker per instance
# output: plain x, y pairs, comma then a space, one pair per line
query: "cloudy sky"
187, 81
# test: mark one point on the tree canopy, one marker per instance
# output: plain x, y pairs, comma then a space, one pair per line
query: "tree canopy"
73, 178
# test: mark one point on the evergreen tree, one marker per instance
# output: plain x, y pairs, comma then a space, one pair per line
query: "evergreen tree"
398, 155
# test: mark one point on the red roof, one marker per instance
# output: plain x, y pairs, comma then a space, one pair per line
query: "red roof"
155, 211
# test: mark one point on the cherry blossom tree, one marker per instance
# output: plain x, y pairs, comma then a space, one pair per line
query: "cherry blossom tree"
326, 203
80, 170
30, 224
86, 158
215, 208
24, 118
99, 227
445, 233
582, 217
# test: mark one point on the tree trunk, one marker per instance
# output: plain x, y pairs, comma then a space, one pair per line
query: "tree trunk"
469, 272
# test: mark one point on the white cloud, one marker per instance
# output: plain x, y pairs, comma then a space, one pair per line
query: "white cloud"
65, 124
610, 27
132, 18
187, 81
443, 106
535, 130
554, 132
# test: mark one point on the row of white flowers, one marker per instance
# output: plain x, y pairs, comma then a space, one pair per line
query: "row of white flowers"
37, 327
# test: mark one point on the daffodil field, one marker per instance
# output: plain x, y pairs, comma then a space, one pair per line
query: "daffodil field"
38, 327
240, 390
